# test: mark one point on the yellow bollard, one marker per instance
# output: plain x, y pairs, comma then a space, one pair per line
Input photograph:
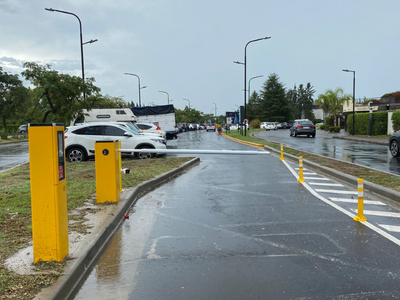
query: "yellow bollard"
282, 152
48, 192
108, 171
360, 214
301, 179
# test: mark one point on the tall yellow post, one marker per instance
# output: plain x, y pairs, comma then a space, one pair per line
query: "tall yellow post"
301, 179
282, 152
108, 171
48, 192
360, 213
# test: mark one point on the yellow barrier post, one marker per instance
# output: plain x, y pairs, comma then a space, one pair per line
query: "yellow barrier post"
301, 179
48, 192
360, 214
282, 152
108, 171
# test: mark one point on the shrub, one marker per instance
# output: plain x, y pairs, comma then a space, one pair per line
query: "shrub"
321, 127
396, 120
331, 128
3, 134
337, 129
361, 125
255, 123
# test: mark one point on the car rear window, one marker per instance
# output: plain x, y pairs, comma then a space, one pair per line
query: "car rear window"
306, 123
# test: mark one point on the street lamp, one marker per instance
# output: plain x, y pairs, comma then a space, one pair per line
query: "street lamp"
187, 101
215, 112
354, 92
245, 81
80, 29
251, 80
165, 93
139, 88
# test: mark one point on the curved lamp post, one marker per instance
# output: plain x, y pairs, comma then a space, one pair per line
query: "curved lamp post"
187, 101
165, 93
216, 118
354, 92
251, 80
139, 88
80, 29
245, 81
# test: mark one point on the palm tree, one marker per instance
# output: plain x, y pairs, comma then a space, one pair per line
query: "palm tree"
332, 102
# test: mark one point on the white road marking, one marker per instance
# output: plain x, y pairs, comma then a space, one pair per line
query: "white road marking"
356, 201
316, 178
336, 192
390, 227
309, 173
366, 223
325, 184
379, 213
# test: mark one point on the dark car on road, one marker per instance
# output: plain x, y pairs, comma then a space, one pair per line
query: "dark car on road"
303, 127
394, 143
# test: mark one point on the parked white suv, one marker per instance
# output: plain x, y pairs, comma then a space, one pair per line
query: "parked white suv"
80, 140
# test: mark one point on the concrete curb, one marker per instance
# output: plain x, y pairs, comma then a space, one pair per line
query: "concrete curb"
84, 264
349, 179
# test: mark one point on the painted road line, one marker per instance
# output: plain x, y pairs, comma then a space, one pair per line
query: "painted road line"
324, 184
316, 178
390, 228
310, 173
336, 192
356, 201
379, 213
344, 211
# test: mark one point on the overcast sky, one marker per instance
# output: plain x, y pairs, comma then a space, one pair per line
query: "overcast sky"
187, 47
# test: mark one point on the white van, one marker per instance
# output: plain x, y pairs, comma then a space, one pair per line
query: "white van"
105, 115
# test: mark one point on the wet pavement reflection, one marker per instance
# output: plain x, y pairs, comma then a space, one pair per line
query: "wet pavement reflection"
369, 155
13, 154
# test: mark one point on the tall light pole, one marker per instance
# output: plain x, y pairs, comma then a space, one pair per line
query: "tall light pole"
251, 80
245, 79
139, 88
215, 112
81, 42
165, 93
187, 101
354, 92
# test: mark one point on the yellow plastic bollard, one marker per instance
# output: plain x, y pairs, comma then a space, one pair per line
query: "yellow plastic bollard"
360, 214
282, 152
108, 171
301, 179
48, 192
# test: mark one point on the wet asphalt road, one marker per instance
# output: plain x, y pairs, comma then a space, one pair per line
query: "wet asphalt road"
369, 155
13, 154
241, 228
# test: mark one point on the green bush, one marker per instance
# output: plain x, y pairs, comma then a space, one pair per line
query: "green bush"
255, 123
396, 120
337, 129
3, 134
329, 121
331, 128
321, 127
361, 124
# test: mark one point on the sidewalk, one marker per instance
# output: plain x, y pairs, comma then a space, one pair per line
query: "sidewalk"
345, 136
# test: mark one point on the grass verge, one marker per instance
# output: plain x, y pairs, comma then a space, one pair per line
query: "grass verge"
15, 215
374, 176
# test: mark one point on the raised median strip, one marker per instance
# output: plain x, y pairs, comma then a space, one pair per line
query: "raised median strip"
79, 269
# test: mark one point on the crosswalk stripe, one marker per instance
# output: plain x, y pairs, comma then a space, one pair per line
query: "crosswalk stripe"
310, 173
325, 184
390, 227
336, 192
379, 213
356, 201
316, 178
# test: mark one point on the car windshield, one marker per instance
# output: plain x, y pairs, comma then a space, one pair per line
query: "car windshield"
128, 129
133, 128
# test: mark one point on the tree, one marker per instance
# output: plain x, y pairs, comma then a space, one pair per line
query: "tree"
332, 101
253, 106
306, 101
59, 96
12, 96
274, 104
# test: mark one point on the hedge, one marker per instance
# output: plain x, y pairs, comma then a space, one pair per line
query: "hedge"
396, 120
361, 126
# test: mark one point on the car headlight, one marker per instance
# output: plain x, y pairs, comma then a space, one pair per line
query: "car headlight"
162, 141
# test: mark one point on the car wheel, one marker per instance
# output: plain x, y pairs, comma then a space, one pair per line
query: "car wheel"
313, 135
76, 154
295, 134
145, 155
394, 148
